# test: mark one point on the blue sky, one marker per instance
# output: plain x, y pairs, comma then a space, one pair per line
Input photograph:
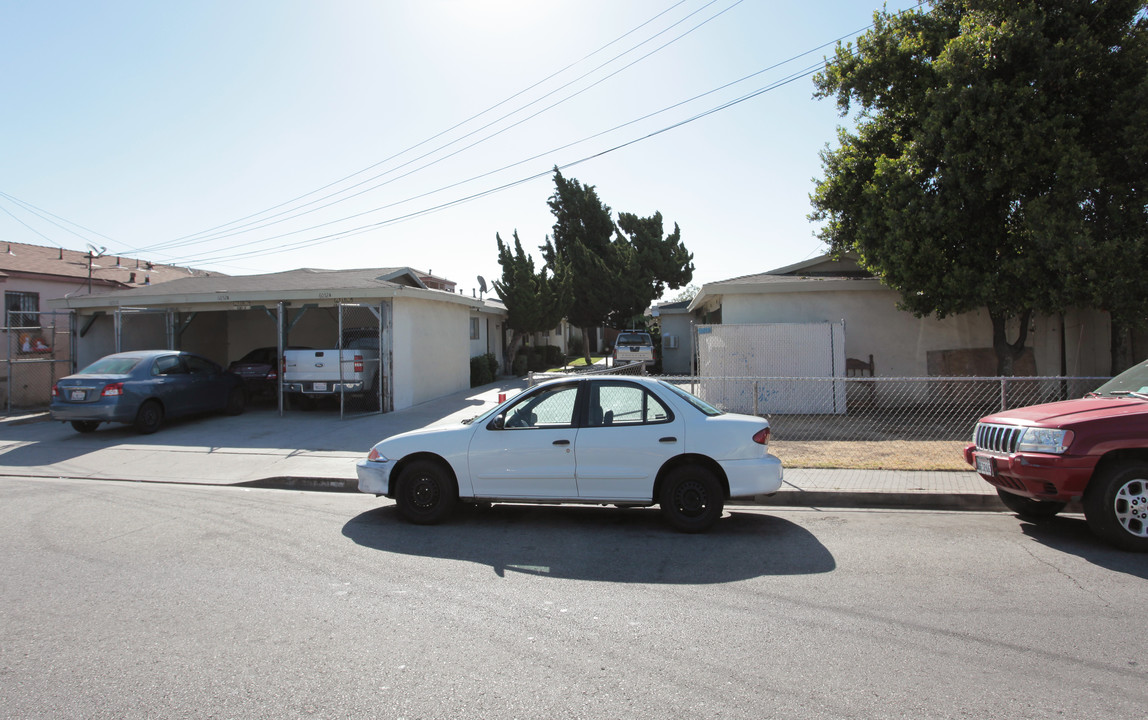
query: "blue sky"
165, 129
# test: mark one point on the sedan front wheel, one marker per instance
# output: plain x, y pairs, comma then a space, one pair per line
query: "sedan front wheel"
426, 494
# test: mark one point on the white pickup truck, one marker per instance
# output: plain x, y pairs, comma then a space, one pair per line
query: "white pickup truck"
354, 370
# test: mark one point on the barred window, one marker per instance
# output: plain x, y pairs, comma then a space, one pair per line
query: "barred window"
21, 309
474, 328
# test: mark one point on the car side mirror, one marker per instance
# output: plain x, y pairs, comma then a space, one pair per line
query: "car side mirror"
498, 423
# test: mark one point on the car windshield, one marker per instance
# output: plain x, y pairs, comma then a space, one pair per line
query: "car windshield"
1133, 381
694, 400
111, 366
633, 339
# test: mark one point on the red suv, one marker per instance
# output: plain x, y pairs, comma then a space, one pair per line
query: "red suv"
1094, 450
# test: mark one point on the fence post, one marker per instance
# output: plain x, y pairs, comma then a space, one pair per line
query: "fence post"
1004, 394
755, 394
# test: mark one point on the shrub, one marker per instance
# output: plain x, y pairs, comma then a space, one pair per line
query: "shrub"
482, 370
520, 363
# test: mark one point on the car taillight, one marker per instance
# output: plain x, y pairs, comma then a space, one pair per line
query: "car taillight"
112, 390
358, 363
761, 437
272, 375
373, 455
55, 391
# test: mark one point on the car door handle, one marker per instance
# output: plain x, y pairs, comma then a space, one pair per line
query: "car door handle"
561, 442
669, 439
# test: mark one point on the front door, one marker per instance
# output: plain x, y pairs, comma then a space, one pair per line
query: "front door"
528, 451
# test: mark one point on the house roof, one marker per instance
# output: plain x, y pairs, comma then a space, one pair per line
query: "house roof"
307, 285
821, 273
21, 259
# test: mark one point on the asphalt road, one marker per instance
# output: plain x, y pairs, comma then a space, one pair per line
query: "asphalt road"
133, 600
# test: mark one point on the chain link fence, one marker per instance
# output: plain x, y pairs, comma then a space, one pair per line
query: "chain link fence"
37, 352
909, 423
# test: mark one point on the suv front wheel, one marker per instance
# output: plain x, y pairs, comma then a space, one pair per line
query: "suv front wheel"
1116, 505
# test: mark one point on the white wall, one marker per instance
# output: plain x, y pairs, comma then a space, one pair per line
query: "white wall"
900, 342
676, 361
430, 350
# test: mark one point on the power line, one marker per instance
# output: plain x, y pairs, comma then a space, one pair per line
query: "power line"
267, 222
207, 234
806, 72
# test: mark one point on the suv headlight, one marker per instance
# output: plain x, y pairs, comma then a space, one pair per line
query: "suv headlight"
1044, 440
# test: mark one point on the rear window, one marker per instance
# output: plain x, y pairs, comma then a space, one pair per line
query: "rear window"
111, 366
634, 339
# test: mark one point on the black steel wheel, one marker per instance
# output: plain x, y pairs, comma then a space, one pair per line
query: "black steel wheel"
236, 402
85, 426
427, 493
1116, 505
1029, 508
149, 417
691, 499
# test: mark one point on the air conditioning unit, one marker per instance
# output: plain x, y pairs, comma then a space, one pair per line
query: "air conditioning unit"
670, 342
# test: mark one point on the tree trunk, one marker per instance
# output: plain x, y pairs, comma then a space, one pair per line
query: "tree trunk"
1007, 353
516, 338
1120, 346
586, 345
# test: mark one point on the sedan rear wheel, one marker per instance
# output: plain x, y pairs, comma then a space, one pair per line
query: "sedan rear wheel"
691, 499
149, 417
426, 494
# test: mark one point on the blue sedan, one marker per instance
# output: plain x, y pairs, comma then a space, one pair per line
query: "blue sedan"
144, 387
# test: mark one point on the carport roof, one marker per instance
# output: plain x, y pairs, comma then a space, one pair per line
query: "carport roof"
303, 285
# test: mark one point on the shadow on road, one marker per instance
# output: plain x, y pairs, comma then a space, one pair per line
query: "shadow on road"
1071, 535
600, 544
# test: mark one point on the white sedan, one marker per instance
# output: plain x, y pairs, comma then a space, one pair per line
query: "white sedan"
627, 441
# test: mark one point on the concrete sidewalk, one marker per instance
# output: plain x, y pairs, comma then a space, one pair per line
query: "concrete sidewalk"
318, 451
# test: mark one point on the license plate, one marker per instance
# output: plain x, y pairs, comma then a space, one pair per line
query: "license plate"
77, 395
320, 387
985, 465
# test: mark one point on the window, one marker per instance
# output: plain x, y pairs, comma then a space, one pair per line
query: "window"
168, 365
199, 365
553, 407
625, 404
22, 309
474, 328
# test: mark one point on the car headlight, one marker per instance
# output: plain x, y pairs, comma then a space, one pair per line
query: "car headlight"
1044, 440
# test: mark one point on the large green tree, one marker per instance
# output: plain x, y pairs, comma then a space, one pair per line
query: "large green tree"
999, 159
614, 272
536, 301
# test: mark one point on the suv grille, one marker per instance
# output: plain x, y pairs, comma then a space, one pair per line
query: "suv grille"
997, 438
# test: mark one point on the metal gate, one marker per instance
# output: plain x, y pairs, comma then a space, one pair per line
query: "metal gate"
37, 353
365, 329
743, 368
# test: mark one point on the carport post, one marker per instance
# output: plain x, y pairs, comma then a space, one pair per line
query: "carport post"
279, 357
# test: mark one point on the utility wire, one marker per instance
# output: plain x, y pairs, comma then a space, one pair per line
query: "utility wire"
443, 132
803, 73
268, 221
442, 206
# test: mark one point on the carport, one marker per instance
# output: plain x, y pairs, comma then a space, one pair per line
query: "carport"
423, 334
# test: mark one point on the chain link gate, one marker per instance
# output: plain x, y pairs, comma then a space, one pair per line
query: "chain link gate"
731, 357
37, 353
364, 377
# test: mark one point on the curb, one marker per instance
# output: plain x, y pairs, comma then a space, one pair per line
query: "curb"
981, 502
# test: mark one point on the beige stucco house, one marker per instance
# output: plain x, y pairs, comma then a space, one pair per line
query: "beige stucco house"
823, 290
